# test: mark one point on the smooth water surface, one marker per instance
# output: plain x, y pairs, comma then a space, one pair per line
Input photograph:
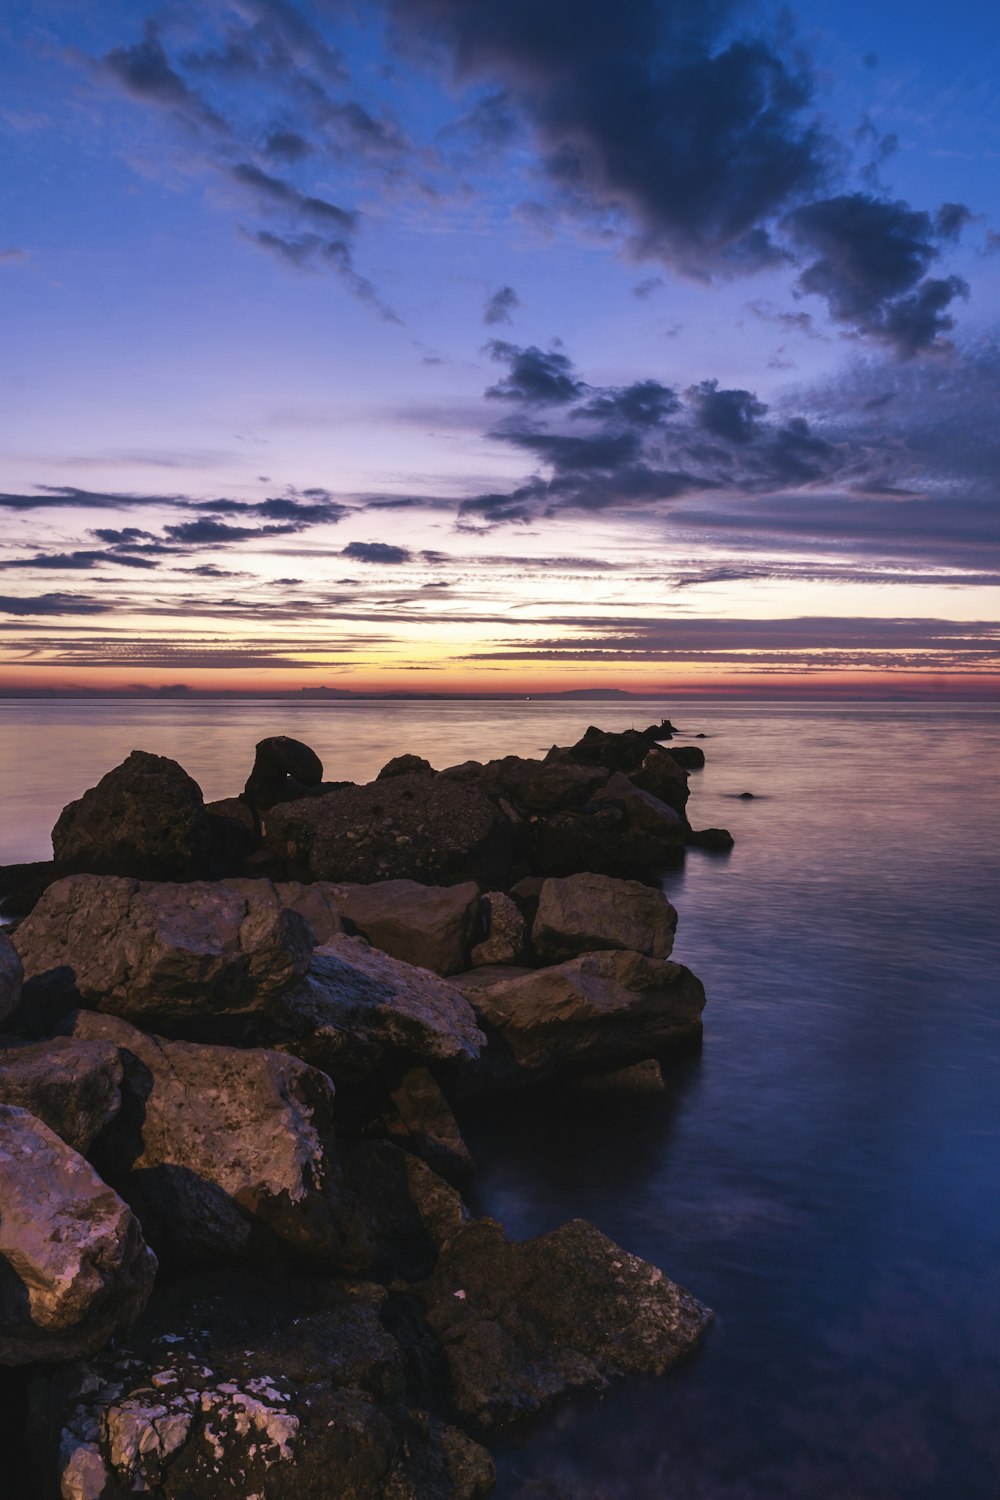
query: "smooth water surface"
825, 1174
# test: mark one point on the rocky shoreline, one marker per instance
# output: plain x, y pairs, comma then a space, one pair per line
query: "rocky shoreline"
234, 1253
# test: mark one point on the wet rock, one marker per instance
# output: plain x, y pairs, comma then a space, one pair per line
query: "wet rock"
146, 818
413, 827
690, 757
283, 768
522, 1324
74, 1268
224, 1153
11, 974
641, 1078
597, 1011
429, 926
358, 1010
234, 1384
643, 813
406, 765
506, 931
717, 839
161, 954
746, 796
420, 1120
585, 912
73, 1086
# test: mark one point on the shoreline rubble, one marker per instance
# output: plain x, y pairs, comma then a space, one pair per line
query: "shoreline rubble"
234, 1038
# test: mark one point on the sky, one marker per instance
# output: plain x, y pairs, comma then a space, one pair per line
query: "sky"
500, 346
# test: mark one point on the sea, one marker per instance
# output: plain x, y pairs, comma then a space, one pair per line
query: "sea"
825, 1172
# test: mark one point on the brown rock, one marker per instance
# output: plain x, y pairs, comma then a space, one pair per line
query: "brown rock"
429, 926
74, 1268
582, 913
506, 931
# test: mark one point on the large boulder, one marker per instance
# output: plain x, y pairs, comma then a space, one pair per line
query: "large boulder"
74, 1268
414, 826
635, 752
522, 1324
660, 775
405, 1211
420, 1119
532, 786
598, 1011
357, 1011
612, 836
73, 1086
257, 1387
582, 913
145, 818
506, 934
429, 926
224, 1153
283, 768
162, 954
11, 974
643, 813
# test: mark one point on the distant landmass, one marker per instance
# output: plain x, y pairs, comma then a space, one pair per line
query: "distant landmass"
319, 694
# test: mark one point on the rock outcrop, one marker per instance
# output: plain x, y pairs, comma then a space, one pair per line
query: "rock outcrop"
583, 913
522, 1324
74, 1267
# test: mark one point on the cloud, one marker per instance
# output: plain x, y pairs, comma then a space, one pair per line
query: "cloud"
287, 145
207, 533
52, 604
536, 378
499, 307
645, 288
644, 403
13, 256
731, 415
76, 561
872, 256
376, 552
144, 71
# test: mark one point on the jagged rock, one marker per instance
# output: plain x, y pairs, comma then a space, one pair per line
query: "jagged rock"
406, 765
146, 818
586, 912
11, 974
597, 1011
74, 1268
414, 827
161, 954
532, 786
224, 1153
263, 1389
717, 839
522, 1324
429, 926
73, 1086
506, 931
420, 1120
357, 1010
618, 751
643, 812
691, 757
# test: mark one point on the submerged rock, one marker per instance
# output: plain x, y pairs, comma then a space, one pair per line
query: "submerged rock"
74, 1267
586, 912
522, 1324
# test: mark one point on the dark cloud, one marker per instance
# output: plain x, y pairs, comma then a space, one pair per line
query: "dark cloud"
537, 377
79, 561
52, 604
122, 537
376, 552
278, 190
645, 403
951, 219
872, 256
731, 415
144, 71
499, 307
287, 145
209, 533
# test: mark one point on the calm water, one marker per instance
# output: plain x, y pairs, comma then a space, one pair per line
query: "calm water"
825, 1174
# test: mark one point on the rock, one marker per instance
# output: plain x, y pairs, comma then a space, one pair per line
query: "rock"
660, 774
597, 1011
406, 1211
235, 827
224, 1153
283, 768
358, 1010
690, 757
74, 1268
603, 840
429, 926
641, 1078
162, 954
146, 818
74, 1087
262, 1389
506, 931
532, 786
413, 827
21, 885
522, 1324
662, 731
420, 1120
642, 811
406, 765
717, 839
582, 913
746, 796
11, 974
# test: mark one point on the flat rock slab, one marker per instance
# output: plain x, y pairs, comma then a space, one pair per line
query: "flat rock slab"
429, 926
225, 1153
73, 1086
597, 1011
523, 1324
238, 1385
357, 1009
582, 913
158, 953
74, 1268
